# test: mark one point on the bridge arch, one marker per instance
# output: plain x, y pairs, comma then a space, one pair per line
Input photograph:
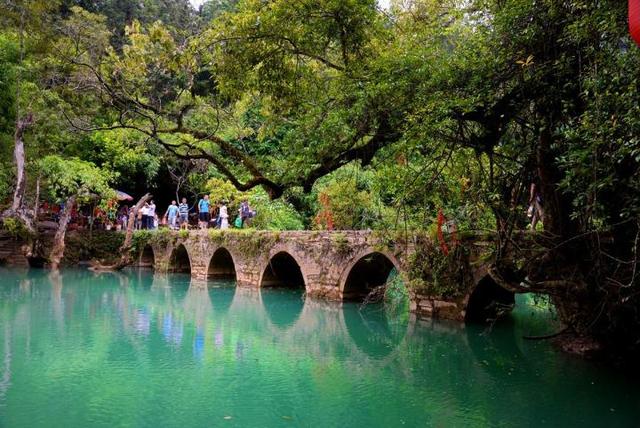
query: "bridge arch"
367, 271
283, 271
147, 257
179, 261
222, 264
486, 300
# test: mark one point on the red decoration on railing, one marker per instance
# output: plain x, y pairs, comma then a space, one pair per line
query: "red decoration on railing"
634, 20
324, 219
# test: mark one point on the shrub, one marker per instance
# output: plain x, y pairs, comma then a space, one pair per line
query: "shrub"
437, 274
16, 228
139, 240
341, 243
161, 236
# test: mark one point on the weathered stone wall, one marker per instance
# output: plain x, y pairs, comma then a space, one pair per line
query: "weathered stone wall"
324, 258
426, 306
12, 251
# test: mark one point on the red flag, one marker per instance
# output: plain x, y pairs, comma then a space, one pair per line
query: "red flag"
634, 20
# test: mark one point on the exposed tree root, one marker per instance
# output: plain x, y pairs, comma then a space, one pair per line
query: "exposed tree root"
376, 295
547, 336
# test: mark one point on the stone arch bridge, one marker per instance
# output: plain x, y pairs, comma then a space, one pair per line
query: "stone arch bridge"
334, 266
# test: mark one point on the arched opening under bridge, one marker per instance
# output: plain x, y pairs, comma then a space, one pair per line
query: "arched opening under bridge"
368, 273
221, 265
488, 301
179, 261
283, 271
147, 258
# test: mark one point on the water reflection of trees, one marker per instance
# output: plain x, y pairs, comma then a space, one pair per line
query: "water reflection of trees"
461, 372
56, 298
5, 379
372, 331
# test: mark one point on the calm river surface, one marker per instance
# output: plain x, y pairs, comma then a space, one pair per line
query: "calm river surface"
133, 349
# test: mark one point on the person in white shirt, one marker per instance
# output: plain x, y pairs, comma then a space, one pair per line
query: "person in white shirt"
144, 220
224, 216
151, 213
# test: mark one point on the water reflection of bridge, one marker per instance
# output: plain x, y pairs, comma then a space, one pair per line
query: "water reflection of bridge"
309, 325
178, 306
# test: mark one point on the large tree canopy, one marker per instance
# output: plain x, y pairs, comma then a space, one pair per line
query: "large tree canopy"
305, 88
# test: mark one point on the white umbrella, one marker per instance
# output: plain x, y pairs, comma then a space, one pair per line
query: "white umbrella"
123, 196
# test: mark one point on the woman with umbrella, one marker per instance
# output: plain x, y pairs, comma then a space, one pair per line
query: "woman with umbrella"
123, 213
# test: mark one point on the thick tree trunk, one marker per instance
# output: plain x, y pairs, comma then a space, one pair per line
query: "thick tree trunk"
557, 206
125, 249
58, 241
36, 204
571, 263
19, 158
17, 209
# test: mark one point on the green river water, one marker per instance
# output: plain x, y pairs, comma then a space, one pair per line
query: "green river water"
142, 350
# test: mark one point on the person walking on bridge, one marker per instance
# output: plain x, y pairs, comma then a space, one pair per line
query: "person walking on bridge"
183, 212
172, 215
245, 213
203, 210
224, 216
151, 215
144, 218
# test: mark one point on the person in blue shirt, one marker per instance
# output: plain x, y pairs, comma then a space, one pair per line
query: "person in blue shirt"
203, 209
172, 215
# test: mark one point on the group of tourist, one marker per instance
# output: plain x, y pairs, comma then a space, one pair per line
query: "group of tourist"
146, 218
176, 217
209, 215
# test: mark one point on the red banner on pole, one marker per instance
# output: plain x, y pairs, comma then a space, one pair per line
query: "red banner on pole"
634, 20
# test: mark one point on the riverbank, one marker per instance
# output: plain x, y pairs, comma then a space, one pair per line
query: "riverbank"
81, 247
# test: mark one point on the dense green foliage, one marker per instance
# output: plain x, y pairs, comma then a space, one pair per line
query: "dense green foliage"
74, 177
353, 117
100, 245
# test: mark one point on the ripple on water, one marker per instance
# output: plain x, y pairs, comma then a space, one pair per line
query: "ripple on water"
136, 350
